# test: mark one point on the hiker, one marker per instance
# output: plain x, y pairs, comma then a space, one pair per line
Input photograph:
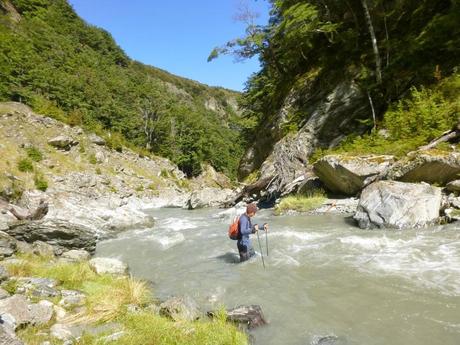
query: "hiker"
246, 228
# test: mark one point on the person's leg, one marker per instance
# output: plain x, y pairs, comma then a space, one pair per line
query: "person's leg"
243, 250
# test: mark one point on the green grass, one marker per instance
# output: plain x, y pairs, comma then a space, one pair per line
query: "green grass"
107, 298
34, 154
40, 182
25, 165
300, 203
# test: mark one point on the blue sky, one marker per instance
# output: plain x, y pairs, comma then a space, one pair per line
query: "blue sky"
177, 35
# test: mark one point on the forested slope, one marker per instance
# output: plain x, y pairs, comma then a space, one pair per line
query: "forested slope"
64, 68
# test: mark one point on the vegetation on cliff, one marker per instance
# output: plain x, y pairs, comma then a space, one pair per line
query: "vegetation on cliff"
53, 61
385, 47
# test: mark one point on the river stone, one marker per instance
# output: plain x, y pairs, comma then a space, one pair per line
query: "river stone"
180, 308
75, 255
4, 294
8, 338
72, 298
57, 232
62, 142
43, 249
38, 287
251, 316
61, 331
453, 186
18, 307
348, 175
398, 205
41, 313
108, 265
7, 245
430, 166
4, 275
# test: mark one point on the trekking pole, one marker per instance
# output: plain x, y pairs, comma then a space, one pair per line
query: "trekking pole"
266, 241
260, 248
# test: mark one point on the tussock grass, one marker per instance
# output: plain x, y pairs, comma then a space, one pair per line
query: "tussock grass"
108, 298
300, 203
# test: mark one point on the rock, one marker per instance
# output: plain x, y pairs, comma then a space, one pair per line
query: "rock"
180, 308
38, 287
113, 337
43, 249
4, 294
452, 214
62, 142
108, 265
100, 157
76, 255
432, 166
71, 299
208, 197
95, 139
7, 245
348, 205
41, 313
8, 338
61, 332
453, 186
251, 316
18, 307
398, 205
349, 175
4, 275
60, 312
24, 247
57, 232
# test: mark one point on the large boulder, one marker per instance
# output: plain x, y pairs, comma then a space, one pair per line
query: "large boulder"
432, 166
56, 232
398, 205
348, 175
8, 337
208, 197
17, 309
95, 139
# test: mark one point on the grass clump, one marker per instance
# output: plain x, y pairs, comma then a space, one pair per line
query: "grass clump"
92, 158
34, 154
25, 165
300, 203
40, 182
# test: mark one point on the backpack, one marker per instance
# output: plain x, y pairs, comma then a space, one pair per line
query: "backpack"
234, 229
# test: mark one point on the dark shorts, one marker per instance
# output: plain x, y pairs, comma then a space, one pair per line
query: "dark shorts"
245, 252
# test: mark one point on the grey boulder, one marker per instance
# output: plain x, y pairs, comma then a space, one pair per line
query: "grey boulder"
348, 175
391, 204
63, 142
180, 308
108, 265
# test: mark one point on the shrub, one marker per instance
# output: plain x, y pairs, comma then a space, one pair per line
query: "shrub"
92, 158
34, 154
40, 182
25, 165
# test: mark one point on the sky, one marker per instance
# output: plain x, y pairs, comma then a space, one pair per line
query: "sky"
177, 35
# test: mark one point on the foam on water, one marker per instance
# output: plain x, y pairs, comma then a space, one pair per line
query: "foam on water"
176, 224
167, 241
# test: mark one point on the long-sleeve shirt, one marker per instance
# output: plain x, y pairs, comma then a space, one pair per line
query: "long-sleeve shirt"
245, 229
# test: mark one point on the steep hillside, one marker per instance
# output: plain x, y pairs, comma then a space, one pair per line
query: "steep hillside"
64, 68
331, 70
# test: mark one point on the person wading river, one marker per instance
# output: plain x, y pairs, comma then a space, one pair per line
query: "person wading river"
245, 228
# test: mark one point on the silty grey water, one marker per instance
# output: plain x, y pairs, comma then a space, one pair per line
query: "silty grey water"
324, 276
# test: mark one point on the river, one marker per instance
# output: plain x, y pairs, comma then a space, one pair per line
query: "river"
323, 275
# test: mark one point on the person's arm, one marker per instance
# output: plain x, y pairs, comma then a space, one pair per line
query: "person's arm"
245, 227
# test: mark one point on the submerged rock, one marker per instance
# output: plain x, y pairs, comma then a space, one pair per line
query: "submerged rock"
348, 175
398, 205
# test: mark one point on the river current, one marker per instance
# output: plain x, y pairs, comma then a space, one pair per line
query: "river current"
323, 276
